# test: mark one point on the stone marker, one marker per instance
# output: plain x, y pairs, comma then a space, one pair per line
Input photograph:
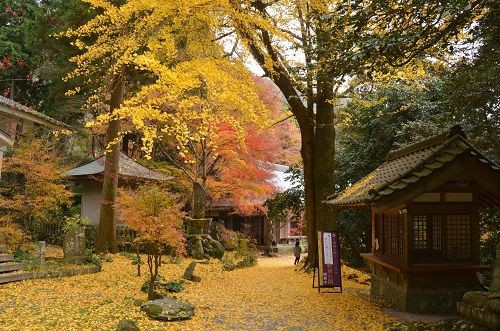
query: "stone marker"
41, 251
75, 244
168, 309
188, 274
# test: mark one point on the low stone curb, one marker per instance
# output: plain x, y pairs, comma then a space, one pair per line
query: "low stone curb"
67, 273
43, 274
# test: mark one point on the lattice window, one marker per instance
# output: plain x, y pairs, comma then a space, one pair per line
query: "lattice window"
392, 228
441, 238
419, 232
458, 237
437, 237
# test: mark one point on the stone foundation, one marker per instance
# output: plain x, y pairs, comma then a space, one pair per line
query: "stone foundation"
435, 293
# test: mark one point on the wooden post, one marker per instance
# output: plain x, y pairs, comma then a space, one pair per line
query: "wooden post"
41, 251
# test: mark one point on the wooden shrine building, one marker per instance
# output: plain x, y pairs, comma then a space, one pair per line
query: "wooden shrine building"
89, 177
425, 200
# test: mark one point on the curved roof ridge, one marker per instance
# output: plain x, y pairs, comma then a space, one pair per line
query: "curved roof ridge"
426, 143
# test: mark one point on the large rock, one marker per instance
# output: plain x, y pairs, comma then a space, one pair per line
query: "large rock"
168, 309
203, 245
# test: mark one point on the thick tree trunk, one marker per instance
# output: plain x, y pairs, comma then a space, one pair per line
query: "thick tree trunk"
199, 201
307, 152
106, 233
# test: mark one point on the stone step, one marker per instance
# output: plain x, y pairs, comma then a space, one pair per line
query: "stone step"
15, 276
3, 249
10, 266
6, 257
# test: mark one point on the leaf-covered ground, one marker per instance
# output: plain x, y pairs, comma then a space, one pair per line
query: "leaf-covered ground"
269, 296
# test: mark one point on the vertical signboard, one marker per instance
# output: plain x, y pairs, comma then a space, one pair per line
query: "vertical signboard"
329, 273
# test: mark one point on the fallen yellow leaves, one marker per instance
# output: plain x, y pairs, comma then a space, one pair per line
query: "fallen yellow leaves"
270, 296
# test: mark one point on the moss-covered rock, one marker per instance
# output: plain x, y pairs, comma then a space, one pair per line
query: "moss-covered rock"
127, 325
168, 309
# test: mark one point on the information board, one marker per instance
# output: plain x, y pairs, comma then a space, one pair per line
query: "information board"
329, 272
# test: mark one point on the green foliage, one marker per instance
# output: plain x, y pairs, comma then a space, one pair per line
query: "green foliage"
23, 254
289, 201
242, 260
490, 235
235, 240
172, 286
354, 226
227, 264
74, 220
94, 259
248, 260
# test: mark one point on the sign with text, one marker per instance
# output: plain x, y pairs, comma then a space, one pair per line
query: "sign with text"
329, 273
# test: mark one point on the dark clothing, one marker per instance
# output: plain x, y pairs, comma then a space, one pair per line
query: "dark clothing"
297, 259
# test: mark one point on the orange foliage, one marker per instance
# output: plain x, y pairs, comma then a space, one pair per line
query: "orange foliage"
32, 186
155, 214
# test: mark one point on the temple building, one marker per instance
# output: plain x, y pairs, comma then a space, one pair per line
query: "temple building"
90, 175
16, 118
222, 210
425, 201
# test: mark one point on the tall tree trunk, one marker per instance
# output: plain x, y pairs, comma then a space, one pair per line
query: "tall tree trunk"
324, 141
106, 233
307, 152
199, 201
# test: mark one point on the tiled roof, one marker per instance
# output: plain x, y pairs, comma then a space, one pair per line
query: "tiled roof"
128, 168
406, 166
17, 106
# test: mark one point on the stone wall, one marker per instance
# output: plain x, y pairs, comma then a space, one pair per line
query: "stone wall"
435, 293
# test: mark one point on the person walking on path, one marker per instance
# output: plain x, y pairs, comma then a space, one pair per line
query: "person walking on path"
296, 251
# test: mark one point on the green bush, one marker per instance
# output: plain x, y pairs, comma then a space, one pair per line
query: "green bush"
173, 286
227, 264
161, 284
249, 260
93, 258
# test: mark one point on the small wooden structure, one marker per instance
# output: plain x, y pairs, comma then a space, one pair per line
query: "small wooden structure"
89, 177
425, 200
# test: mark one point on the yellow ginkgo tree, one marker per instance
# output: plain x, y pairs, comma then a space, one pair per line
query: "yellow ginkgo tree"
157, 66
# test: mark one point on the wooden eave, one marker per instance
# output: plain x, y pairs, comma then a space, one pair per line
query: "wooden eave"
418, 168
464, 167
22, 113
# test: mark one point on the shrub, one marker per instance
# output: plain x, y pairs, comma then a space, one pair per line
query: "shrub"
161, 284
249, 260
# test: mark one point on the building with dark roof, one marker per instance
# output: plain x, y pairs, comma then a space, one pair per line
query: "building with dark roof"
254, 224
16, 118
425, 200
89, 178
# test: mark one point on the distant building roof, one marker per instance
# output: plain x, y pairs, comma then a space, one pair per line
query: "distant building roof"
20, 111
128, 168
408, 165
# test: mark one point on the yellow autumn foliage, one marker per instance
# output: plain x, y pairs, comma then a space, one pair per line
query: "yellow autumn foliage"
269, 296
187, 85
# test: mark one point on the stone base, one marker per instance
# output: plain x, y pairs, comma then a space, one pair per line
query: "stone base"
479, 316
435, 293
